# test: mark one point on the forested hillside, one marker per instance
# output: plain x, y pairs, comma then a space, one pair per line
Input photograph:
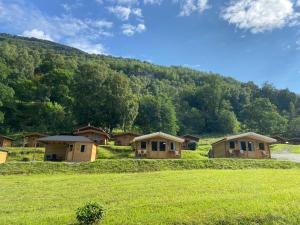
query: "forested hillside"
53, 88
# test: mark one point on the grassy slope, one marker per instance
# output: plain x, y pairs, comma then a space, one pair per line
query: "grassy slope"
133, 165
169, 197
285, 147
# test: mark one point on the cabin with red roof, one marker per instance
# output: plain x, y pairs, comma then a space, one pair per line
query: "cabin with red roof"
96, 134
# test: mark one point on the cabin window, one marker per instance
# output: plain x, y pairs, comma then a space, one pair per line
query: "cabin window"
243, 146
250, 146
82, 148
71, 148
261, 146
173, 146
232, 144
162, 146
143, 145
154, 146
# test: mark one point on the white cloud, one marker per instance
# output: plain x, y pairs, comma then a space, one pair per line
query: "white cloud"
37, 34
88, 47
124, 12
121, 12
260, 15
153, 2
190, 6
25, 19
130, 30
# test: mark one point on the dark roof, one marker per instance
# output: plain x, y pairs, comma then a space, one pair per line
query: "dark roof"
65, 138
5, 137
3, 150
89, 127
35, 134
127, 133
191, 136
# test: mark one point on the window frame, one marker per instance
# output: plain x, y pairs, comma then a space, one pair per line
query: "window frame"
173, 146
162, 143
250, 143
241, 145
141, 145
84, 148
152, 145
230, 146
263, 148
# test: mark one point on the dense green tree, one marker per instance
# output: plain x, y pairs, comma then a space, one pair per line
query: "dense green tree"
293, 129
156, 113
262, 116
120, 105
42, 82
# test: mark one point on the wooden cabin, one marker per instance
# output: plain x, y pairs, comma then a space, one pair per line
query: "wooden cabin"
157, 146
248, 145
5, 141
188, 138
124, 139
69, 148
31, 140
3, 155
96, 134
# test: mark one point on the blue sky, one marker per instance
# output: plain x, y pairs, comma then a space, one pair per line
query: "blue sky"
249, 40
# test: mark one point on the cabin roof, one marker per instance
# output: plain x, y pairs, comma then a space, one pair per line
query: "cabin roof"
89, 128
35, 134
65, 138
3, 149
249, 135
158, 134
191, 136
126, 133
5, 137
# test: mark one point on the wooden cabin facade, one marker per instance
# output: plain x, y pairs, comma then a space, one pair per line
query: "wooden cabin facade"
188, 138
3, 155
5, 141
124, 139
157, 146
96, 134
31, 140
69, 148
248, 145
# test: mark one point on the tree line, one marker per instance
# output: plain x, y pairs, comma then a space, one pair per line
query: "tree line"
52, 88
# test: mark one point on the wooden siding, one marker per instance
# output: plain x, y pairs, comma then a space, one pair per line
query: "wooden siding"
5, 142
167, 154
222, 149
124, 140
3, 157
70, 152
96, 137
32, 141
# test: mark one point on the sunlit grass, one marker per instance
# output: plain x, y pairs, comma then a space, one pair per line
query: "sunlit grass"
169, 197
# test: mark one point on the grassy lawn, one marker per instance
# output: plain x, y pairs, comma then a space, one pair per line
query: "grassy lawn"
169, 197
285, 147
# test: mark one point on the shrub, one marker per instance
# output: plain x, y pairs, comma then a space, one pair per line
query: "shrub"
90, 214
25, 159
192, 145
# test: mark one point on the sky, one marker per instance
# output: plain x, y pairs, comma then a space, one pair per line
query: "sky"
249, 40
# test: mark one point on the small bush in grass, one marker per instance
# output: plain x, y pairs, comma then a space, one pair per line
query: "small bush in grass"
90, 214
192, 145
25, 159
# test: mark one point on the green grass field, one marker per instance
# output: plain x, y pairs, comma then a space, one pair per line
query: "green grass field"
285, 147
170, 197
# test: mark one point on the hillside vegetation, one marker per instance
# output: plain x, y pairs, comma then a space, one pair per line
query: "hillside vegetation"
170, 197
53, 88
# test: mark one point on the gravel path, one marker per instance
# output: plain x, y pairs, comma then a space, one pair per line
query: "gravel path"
285, 155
